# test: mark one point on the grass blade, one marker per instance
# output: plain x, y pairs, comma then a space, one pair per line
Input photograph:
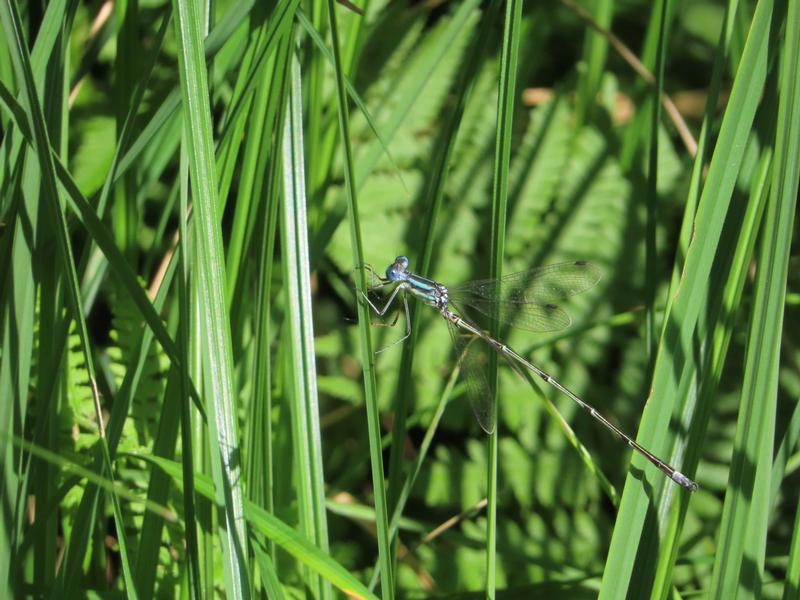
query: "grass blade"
739, 565
641, 515
301, 355
505, 115
210, 273
367, 357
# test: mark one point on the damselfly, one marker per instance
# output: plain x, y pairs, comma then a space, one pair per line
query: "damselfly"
526, 300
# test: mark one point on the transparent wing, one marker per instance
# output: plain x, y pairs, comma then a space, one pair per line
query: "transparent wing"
471, 355
543, 285
538, 318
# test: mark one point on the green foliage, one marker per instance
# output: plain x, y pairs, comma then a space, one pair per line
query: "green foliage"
184, 218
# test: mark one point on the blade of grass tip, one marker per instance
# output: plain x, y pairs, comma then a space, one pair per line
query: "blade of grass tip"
18, 50
651, 277
676, 366
365, 341
739, 564
505, 113
433, 199
210, 273
301, 355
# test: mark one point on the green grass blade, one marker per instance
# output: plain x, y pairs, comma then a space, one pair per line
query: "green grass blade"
48, 34
636, 532
365, 340
351, 90
434, 196
210, 273
703, 140
261, 119
216, 38
740, 246
301, 354
660, 11
739, 565
506, 102
272, 586
261, 441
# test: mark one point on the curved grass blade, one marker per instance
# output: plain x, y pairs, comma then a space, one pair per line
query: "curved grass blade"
273, 528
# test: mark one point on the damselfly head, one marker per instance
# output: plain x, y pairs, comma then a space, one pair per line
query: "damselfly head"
397, 269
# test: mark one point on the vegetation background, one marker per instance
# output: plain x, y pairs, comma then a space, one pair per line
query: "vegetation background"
190, 399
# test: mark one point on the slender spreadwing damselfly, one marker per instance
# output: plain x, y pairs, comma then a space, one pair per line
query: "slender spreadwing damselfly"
526, 300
